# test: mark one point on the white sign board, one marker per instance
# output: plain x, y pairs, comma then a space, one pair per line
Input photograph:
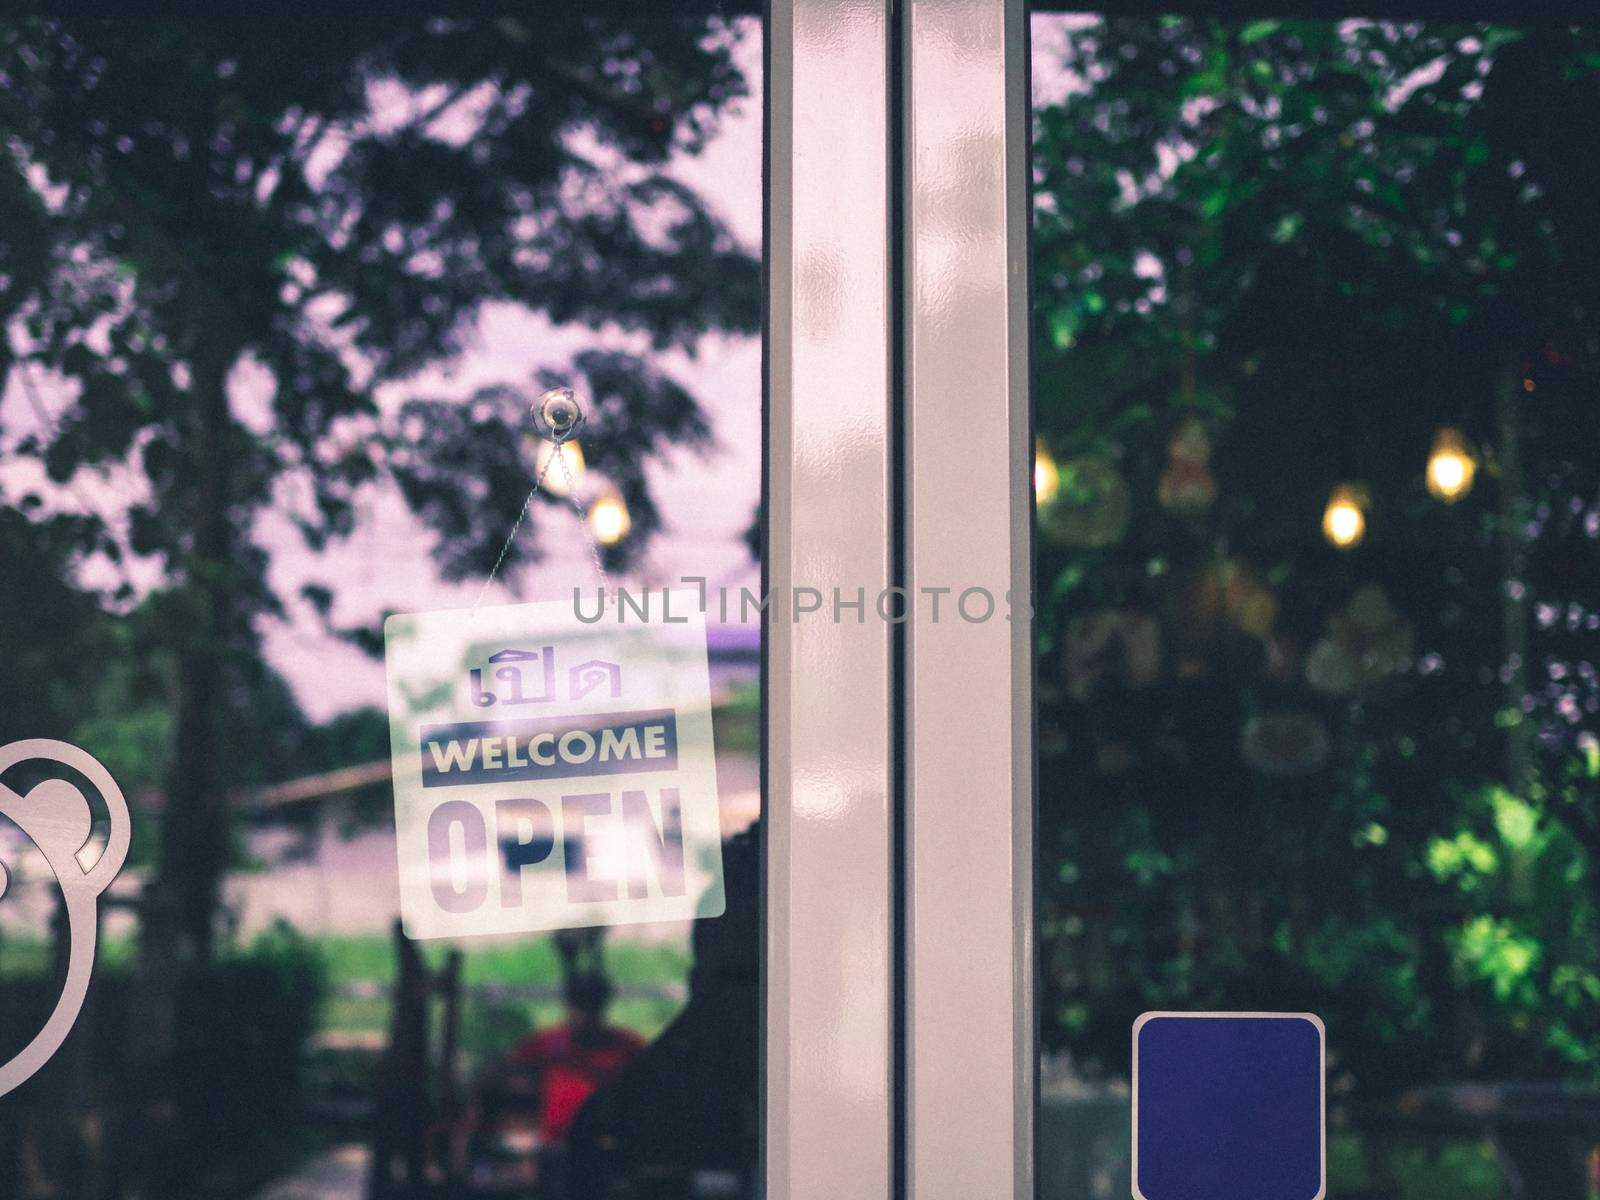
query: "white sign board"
552, 771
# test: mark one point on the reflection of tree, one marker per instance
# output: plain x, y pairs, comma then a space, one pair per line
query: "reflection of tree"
1273, 258
304, 211
44, 679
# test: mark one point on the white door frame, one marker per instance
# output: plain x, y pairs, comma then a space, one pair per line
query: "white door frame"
899, 970
969, 1012
829, 755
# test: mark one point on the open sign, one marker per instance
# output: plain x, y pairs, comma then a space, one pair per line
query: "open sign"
551, 773
593, 827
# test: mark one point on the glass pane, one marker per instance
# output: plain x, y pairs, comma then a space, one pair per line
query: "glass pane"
278, 298
1316, 346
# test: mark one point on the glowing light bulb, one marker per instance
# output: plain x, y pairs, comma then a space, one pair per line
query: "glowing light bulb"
1343, 522
1451, 466
558, 482
1046, 475
609, 519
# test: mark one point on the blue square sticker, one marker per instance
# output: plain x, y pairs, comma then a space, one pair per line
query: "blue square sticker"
1229, 1106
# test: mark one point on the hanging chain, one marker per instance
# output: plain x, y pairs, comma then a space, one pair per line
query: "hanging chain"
558, 417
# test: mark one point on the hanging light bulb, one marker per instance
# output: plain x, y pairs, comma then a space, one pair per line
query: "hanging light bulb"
558, 482
609, 520
1344, 523
1451, 466
1046, 475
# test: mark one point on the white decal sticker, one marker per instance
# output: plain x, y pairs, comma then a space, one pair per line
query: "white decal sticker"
56, 817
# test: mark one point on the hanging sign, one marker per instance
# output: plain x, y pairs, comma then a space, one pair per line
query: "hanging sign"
553, 766
1228, 1106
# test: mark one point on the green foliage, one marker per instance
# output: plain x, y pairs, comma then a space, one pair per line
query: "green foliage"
333, 202
255, 1009
1435, 1170
248, 1020
224, 239
43, 678
1273, 258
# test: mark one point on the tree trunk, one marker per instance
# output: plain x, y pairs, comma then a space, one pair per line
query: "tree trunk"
178, 912
194, 827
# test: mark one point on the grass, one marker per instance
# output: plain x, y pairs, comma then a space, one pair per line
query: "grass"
371, 959
650, 978
736, 722
27, 954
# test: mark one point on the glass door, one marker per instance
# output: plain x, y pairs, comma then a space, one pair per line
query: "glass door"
1301, 393
336, 337
1314, 343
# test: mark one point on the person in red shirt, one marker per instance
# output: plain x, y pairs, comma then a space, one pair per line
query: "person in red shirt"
526, 1102
572, 1060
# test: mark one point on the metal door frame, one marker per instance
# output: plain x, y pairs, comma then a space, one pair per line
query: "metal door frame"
829, 963
899, 975
971, 1070
901, 978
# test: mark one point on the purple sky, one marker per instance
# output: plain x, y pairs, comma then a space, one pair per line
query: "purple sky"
706, 503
